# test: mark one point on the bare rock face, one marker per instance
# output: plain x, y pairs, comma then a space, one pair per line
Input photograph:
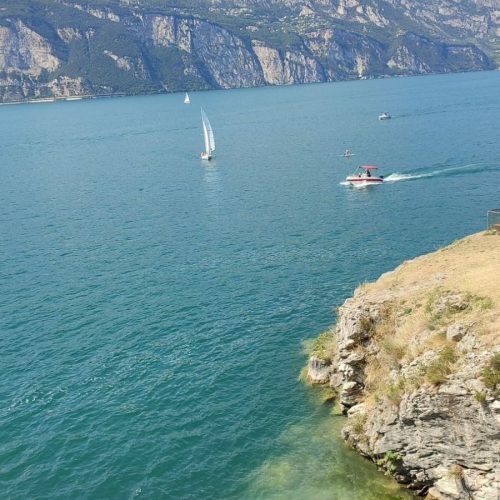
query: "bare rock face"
287, 67
226, 59
65, 86
344, 54
456, 331
416, 54
318, 370
441, 439
24, 51
435, 433
353, 333
169, 30
450, 303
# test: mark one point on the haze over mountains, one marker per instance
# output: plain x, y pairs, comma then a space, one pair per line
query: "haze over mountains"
70, 47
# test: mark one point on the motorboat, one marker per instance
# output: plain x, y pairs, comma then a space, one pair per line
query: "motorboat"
347, 153
364, 176
384, 116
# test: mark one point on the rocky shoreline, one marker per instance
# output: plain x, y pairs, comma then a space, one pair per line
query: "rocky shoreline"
414, 360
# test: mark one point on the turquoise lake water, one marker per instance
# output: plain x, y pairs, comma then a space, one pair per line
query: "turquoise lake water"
153, 308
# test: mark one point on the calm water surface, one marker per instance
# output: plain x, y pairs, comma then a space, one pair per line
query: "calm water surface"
152, 308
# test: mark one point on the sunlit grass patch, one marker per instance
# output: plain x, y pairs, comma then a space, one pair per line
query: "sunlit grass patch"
491, 374
438, 370
358, 423
324, 346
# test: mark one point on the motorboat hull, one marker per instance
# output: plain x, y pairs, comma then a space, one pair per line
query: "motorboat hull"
364, 181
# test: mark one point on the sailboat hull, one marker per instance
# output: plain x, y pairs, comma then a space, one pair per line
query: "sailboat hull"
206, 156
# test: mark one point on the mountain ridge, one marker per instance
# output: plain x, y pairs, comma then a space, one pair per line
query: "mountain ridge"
62, 48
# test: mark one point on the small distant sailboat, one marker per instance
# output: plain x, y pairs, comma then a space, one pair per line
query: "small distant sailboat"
186, 99
208, 135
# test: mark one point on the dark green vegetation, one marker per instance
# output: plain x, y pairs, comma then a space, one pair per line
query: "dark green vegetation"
441, 367
491, 374
56, 47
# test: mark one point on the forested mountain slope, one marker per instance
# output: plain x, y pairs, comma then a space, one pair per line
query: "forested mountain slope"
69, 47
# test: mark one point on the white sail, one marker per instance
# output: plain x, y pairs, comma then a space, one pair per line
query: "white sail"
186, 99
208, 133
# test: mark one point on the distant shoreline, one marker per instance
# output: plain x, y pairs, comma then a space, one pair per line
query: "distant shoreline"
52, 99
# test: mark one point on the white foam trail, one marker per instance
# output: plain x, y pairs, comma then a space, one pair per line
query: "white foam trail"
357, 185
396, 177
470, 168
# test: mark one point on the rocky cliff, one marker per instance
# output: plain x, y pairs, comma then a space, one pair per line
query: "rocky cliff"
415, 362
69, 47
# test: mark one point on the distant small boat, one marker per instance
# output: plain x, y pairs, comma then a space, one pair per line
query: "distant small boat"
348, 153
74, 98
208, 135
384, 116
186, 99
363, 177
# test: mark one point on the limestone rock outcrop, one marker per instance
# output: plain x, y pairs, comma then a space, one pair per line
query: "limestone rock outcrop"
415, 362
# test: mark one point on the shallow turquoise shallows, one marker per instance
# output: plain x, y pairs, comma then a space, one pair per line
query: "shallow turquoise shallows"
153, 307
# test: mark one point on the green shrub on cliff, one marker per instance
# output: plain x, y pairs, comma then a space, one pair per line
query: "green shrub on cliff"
395, 390
390, 462
324, 346
358, 423
480, 397
440, 368
491, 373
394, 350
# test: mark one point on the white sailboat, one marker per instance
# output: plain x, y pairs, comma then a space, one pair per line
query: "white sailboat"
186, 99
208, 135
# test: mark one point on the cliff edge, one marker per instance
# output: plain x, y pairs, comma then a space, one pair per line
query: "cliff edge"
415, 362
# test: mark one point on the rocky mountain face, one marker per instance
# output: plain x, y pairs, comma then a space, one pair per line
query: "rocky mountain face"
66, 47
415, 362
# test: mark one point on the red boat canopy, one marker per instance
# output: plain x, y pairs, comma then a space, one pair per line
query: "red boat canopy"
369, 167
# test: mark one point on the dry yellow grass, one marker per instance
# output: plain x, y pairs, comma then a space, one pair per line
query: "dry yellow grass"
411, 325
470, 265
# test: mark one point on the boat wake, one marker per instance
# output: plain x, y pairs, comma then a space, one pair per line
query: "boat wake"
397, 177
445, 172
